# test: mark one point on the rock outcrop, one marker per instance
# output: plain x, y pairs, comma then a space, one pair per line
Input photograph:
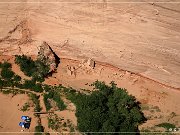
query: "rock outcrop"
47, 56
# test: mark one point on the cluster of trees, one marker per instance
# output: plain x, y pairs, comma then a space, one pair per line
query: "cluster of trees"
35, 69
7, 77
108, 109
56, 97
32, 85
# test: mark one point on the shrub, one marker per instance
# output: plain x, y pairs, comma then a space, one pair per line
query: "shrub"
39, 129
54, 122
17, 78
47, 88
6, 91
5, 65
28, 84
1, 83
25, 107
37, 87
166, 125
7, 73
46, 102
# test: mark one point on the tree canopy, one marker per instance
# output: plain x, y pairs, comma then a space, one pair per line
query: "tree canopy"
108, 109
36, 69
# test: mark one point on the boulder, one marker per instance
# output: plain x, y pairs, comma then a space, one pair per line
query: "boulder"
47, 56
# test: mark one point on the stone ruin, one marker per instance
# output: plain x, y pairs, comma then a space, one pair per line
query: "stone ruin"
88, 63
71, 71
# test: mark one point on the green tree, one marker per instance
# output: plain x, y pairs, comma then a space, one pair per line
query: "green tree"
108, 109
5, 65
37, 69
7, 73
17, 78
1, 83
39, 129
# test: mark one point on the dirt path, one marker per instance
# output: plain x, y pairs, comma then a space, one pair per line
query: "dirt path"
25, 90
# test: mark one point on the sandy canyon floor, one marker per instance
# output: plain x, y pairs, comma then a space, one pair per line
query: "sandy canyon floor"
159, 103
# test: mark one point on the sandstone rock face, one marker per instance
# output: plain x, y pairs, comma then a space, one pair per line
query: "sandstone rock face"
139, 37
47, 56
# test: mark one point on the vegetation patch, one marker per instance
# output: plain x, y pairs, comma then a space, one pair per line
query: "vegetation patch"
56, 97
39, 129
60, 124
36, 102
166, 125
35, 69
7, 77
144, 107
108, 109
25, 107
32, 85
54, 122
5, 65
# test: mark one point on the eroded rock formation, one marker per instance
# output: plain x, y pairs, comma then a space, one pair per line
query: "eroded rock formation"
47, 56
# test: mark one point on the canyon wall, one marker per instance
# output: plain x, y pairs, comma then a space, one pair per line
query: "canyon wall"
141, 37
